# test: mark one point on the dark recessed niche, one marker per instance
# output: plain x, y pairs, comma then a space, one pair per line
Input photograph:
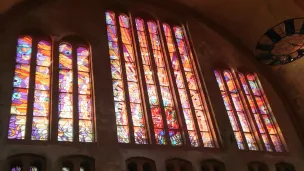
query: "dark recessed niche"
282, 44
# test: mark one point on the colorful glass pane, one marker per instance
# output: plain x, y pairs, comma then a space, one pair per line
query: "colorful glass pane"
118, 90
112, 34
237, 102
266, 142
160, 136
16, 129
184, 98
269, 124
230, 82
123, 134
251, 142
82, 59
261, 105
65, 105
148, 74
41, 103
158, 58
219, 80
277, 143
178, 32
139, 24
233, 121
40, 127
153, 99
42, 79
121, 113
166, 96
85, 131
19, 101
131, 72
44, 53
24, 50
65, 81
202, 120
175, 138
124, 21
65, 130
145, 56
140, 135
251, 104
189, 119
193, 138
134, 92
16, 168
113, 50
125, 36
152, 27
128, 53
65, 56
22, 76
110, 18
259, 123
226, 100
179, 79
171, 116
115, 69
207, 139
191, 81
243, 122
84, 85
85, 107
157, 117
196, 99
181, 47
137, 115
239, 140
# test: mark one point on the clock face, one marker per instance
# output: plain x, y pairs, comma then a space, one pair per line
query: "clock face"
282, 44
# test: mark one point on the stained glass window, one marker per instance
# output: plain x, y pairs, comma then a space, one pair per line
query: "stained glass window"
22, 80
125, 82
194, 110
74, 67
164, 85
40, 123
236, 112
261, 111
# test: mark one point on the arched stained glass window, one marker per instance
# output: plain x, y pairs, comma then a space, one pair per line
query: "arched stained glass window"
127, 92
261, 111
188, 88
236, 111
31, 95
75, 101
163, 102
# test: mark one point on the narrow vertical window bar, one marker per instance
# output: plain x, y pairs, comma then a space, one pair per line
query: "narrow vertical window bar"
153, 98
75, 94
122, 117
197, 97
264, 109
65, 105
182, 90
162, 74
230, 111
85, 112
256, 114
18, 111
41, 107
139, 125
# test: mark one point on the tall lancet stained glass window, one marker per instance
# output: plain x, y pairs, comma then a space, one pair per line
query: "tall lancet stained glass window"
22, 110
236, 112
261, 111
75, 101
126, 86
193, 102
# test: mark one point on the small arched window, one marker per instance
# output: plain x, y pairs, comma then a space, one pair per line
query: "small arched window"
140, 164
29, 162
77, 163
284, 167
257, 166
212, 165
178, 165
30, 107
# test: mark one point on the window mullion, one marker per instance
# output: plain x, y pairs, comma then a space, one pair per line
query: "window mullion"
157, 84
75, 94
259, 114
235, 114
176, 94
199, 136
251, 117
150, 126
125, 82
31, 91
54, 82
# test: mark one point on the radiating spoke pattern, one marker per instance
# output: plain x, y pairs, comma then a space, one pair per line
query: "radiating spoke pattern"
19, 103
165, 88
65, 104
155, 107
41, 108
186, 65
235, 110
261, 111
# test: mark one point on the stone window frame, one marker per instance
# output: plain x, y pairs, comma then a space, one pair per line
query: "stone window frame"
212, 165
25, 161
257, 166
177, 164
76, 162
140, 163
283, 166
